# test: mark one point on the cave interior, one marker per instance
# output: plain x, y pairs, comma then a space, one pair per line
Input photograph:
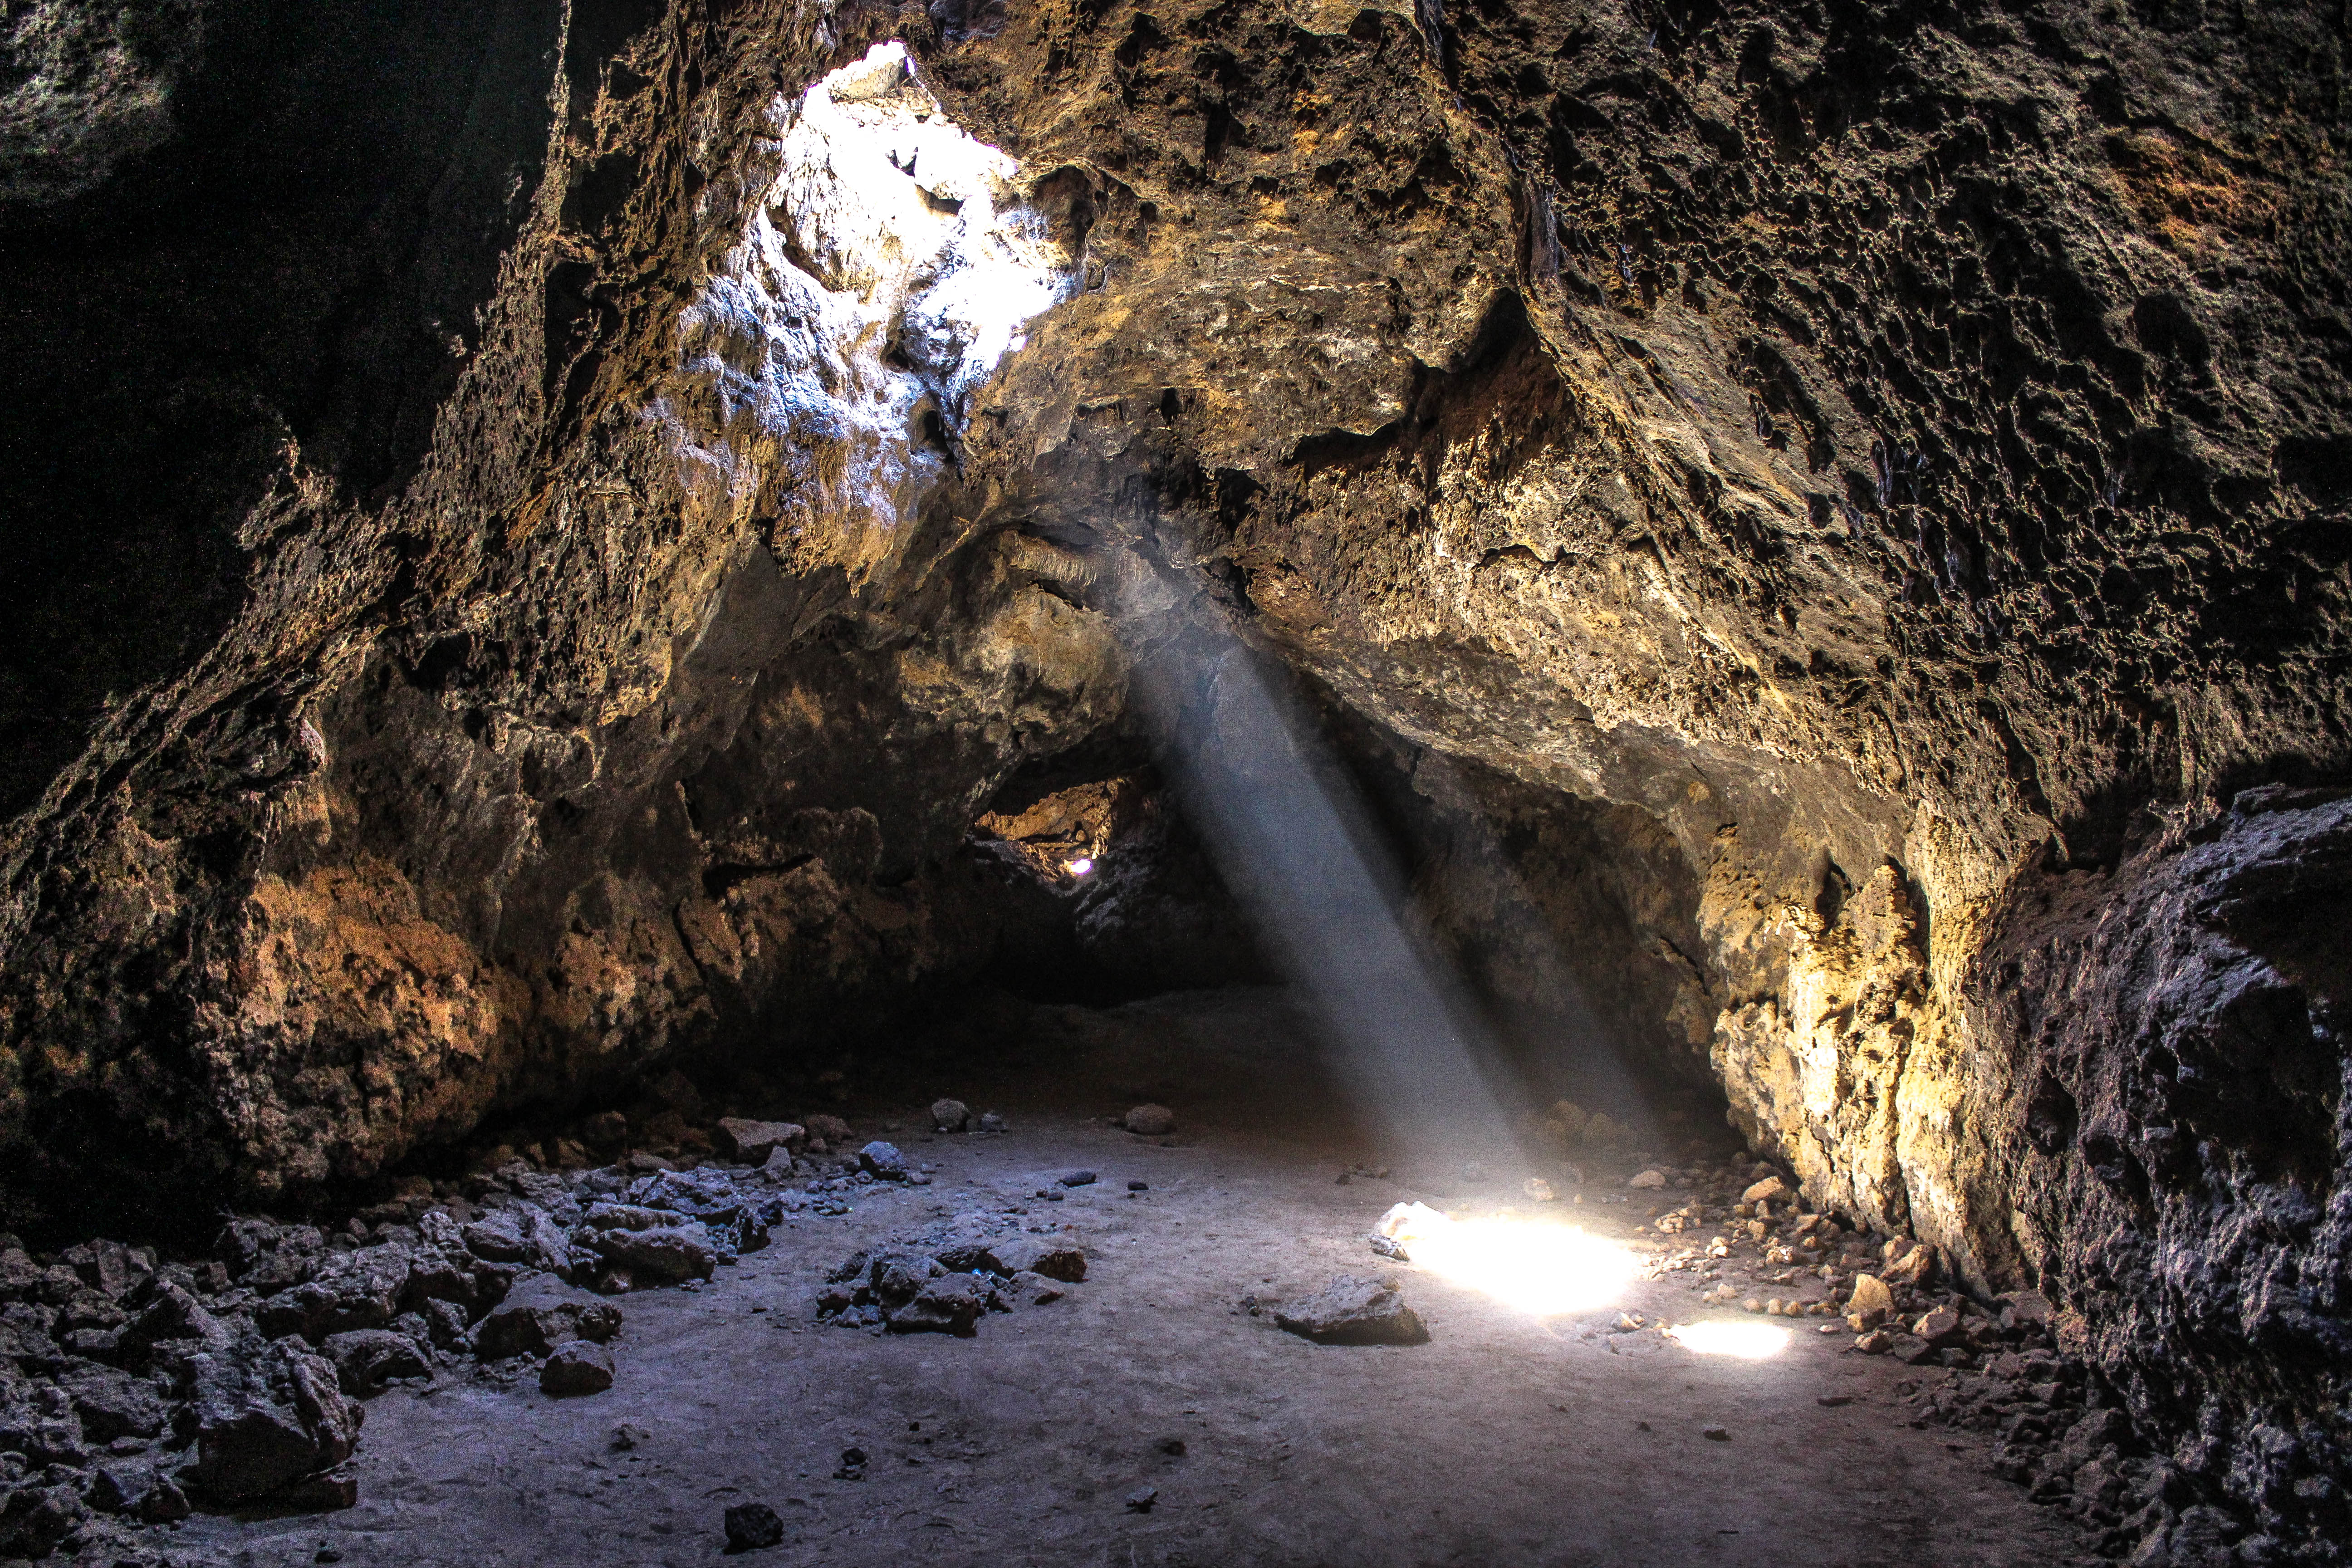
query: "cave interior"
1552, 781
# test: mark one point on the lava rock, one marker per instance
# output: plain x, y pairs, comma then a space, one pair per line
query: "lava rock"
1078, 1179
949, 1304
670, 1253
882, 1162
949, 1115
752, 1526
754, 1142
540, 1313
576, 1367
1871, 1302
1150, 1121
265, 1418
1029, 1290
367, 1359
1354, 1310
1771, 1189
360, 1289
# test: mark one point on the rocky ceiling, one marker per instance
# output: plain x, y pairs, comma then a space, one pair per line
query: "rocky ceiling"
1834, 515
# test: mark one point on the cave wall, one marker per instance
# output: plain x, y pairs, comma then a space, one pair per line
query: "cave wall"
1897, 454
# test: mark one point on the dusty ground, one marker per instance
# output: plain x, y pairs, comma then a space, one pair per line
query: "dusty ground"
1503, 1441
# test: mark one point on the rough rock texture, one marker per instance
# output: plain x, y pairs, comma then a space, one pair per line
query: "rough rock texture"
1857, 490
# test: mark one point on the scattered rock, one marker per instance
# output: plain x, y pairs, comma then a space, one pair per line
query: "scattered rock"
882, 1162
1171, 1447
753, 1526
628, 1435
1078, 1179
1647, 1181
1028, 1290
754, 1142
578, 1366
1354, 1310
1834, 1401
949, 1115
992, 1122
1715, 1433
1877, 1341
1601, 1131
1038, 1255
1150, 1120
1537, 1190
1771, 1189
1141, 1500
830, 1131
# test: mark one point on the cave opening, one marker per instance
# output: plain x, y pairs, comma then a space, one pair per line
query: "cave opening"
1101, 784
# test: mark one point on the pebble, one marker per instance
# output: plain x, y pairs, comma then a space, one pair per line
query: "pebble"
1138, 1186
1716, 1434
753, 1525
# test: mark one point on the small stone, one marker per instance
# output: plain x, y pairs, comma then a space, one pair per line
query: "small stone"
1751, 1305
882, 1162
1172, 1446
1150, 1121
992, 1122
1537, 1190
1078, 1179
751, 1526
576, 1367
1832, 1401
1138, 1186
1877, 1341
2021, 1308
627, 1436
1647, 1181
1771, 1189
1140, 1500
1715, 1433
949, 1116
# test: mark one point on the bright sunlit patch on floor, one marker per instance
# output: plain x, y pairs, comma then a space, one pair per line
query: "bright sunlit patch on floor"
1538, 1267
1747, 1342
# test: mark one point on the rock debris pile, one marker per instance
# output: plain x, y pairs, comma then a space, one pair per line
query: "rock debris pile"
134, 1389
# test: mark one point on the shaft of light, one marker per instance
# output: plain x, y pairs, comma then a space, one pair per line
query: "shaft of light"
1541, 1267
1747, 1341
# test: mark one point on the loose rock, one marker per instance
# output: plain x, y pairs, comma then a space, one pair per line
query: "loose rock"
1150, 1120
577, 1367
949, 1115
1354, 1310
752, 1526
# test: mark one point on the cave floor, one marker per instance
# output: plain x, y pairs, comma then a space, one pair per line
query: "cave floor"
1503, 1441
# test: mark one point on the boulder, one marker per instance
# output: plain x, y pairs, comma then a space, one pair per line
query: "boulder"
111, 1403
1354, 1310
109, 1267
754, 1142
1648, 1181
830, 1131
949, 1115
882, 1162
540, 1313
948, 1304
1150, 1120
349, 1291
750, 1526
1771, 1189
367, 1359
1038, 1254
575, 1367
669, 1252
265, 1418
1570, 1117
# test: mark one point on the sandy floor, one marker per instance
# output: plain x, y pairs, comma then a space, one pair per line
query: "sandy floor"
1504, 1441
